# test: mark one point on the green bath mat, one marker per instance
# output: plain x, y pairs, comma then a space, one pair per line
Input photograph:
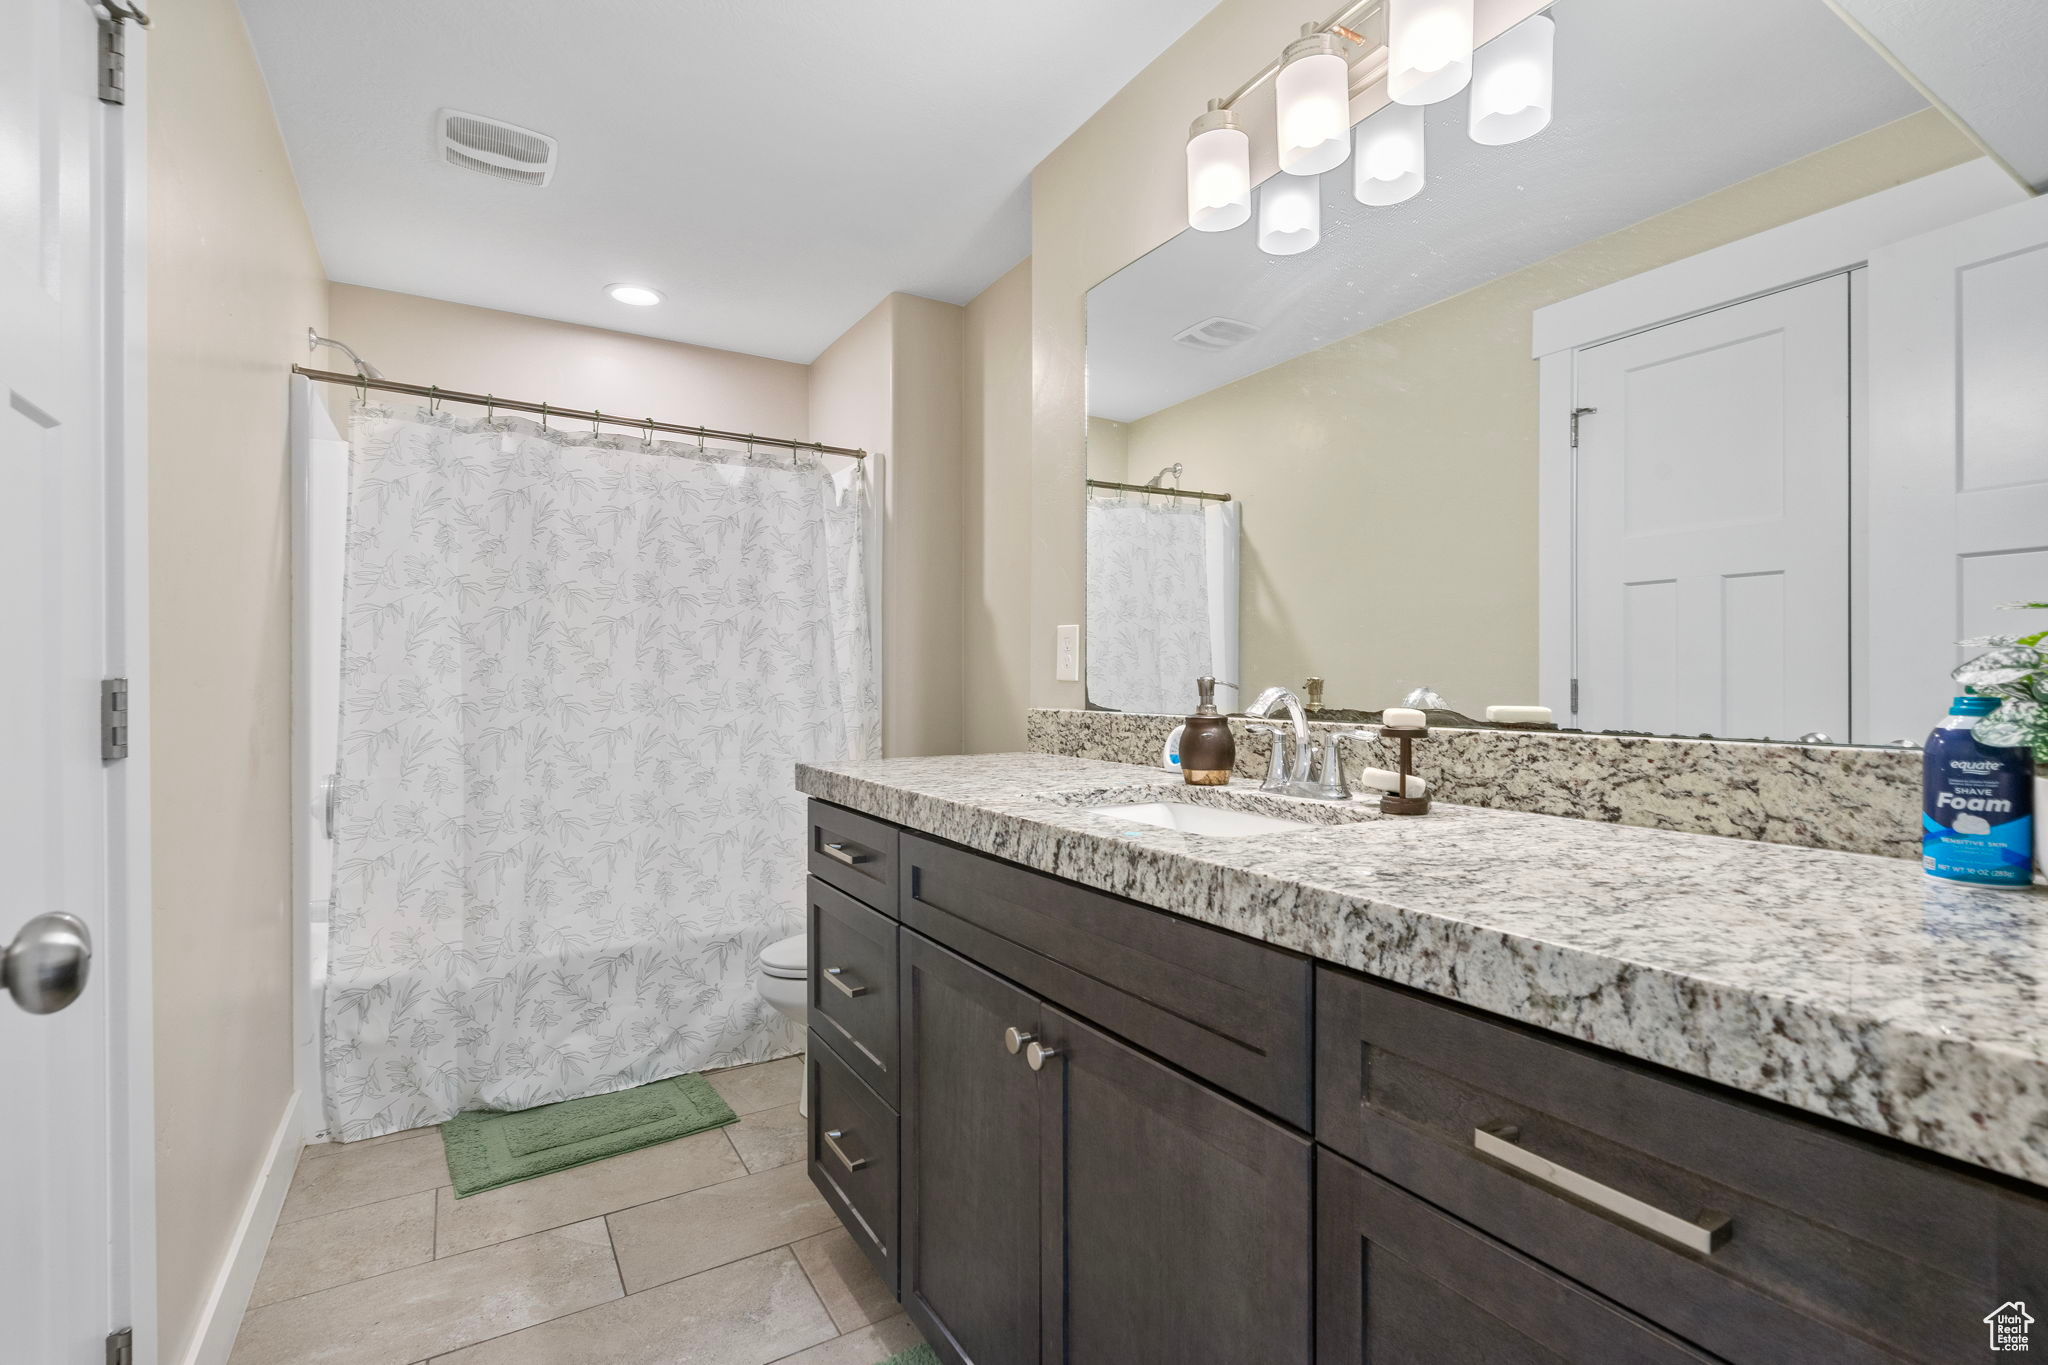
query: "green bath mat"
488, 1148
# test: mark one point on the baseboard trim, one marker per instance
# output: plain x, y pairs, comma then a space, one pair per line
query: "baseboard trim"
236, 1280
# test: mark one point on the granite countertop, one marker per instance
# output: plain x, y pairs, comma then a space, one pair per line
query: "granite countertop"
1843, 984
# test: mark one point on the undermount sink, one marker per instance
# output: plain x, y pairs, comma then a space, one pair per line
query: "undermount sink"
1214, 821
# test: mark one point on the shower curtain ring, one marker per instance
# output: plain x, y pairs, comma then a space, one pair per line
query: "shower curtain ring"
490, 409
596, 416
647, 436
543, 416
433, 399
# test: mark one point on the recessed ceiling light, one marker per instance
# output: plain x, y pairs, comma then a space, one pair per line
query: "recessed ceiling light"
638, 295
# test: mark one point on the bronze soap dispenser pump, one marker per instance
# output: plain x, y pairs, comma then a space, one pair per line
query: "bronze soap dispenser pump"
1208, 751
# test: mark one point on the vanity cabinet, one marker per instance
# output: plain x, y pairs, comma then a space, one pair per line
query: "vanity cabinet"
1225, 1152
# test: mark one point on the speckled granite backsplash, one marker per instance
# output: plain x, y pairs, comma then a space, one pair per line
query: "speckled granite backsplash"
1812, 796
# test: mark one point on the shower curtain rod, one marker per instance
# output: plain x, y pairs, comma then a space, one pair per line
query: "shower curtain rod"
1163, 492
548, 410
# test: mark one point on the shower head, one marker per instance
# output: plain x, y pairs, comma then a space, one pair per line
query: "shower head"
364, 368
1159, 480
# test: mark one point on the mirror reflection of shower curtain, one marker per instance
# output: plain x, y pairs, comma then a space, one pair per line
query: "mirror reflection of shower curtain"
576, 674
1162, 602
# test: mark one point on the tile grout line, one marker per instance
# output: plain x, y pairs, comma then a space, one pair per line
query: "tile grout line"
343, 1284
813, 1283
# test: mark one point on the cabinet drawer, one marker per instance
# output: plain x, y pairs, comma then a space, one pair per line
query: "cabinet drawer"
853, 985
1398, 1281
853, 1156
855, 854
1234, 1012
1825, 1245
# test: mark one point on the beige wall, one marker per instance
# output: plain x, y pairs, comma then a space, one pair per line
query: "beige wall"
483, 350
1444, 397
1109, 450
892, 383
234, 281
996, 489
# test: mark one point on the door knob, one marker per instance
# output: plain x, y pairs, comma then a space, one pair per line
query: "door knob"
1037, 1053
44, 969
1015, 1038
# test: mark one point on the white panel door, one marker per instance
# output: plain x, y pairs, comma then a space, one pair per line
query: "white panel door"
1712, 522
1958, 453
55, 1280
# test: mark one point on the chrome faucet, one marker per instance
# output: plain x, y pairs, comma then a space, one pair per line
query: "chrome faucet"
1282, 774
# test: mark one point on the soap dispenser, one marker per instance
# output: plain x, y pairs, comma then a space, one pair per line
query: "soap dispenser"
1208, 751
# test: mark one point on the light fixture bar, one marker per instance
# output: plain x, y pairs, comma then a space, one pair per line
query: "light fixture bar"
1338, 23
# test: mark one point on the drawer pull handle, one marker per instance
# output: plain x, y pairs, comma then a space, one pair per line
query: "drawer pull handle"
837, 976
1501, 1141
844, 853
851, 1163
1014, 1039
1036, 1053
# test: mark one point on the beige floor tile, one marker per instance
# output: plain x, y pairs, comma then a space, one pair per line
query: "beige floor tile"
381, 1171
340, 1248
319, 1149
764, 1085
747, 1313
768, 1138
412, 1314
581, 1192
845, 1279
868, 1346
686, 1233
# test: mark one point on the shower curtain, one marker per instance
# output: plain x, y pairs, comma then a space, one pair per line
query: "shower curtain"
576, 673
1162, 602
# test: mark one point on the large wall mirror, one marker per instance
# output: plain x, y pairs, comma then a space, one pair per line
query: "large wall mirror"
1714, 407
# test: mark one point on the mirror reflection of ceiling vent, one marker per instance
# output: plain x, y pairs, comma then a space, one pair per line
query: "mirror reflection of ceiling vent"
476, 143
1215, 334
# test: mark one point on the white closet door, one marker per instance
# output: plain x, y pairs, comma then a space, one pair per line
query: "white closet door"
1958, 451
1713, 522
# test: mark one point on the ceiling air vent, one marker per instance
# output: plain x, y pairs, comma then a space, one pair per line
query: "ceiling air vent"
476, 143
1215, 334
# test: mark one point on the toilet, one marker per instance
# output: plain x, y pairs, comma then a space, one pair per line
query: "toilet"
785, 984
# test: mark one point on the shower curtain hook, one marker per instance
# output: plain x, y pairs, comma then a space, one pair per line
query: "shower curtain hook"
647, 436
596, 416
543, 416
433, 399
750, 447
362, 387
490, 409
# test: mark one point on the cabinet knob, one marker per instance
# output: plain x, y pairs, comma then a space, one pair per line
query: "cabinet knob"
1015, 1038
1037, 1053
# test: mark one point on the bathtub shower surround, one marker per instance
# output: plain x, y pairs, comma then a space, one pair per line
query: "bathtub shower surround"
576, 673
1851, 800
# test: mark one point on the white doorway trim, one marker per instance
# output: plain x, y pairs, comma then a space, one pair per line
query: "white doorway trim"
1826, 243
124, 318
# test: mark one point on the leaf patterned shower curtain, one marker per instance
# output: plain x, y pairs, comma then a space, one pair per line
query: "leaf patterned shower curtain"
576, 674
1162, 602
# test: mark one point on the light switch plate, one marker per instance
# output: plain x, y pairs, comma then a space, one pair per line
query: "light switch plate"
1067, 654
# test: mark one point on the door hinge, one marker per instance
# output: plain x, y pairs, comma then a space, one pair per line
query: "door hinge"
121, 1347
113, 61
1577, 413
113, 718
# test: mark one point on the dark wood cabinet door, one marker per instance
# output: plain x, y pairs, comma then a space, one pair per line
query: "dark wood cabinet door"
1178, 1223
970, 1191
1398, 1281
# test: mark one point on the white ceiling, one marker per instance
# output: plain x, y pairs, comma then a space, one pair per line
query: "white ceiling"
1657, 104
775, 169
1986, 60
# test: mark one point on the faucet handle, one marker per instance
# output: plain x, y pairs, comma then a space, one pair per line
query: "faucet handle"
1331, 785
1276, 762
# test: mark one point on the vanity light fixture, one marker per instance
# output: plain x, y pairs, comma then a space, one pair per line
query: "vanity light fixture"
1386, 162
1290, 214
1219, 171
1512, 83
1429, 49
639, 295
1312, 96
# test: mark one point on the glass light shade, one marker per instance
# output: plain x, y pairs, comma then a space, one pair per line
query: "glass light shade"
1219, 172
1290, 214
1313, 98
1386, 162
1429, 49
1512, 83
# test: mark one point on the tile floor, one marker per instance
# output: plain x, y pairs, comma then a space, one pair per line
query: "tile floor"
712, 1250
